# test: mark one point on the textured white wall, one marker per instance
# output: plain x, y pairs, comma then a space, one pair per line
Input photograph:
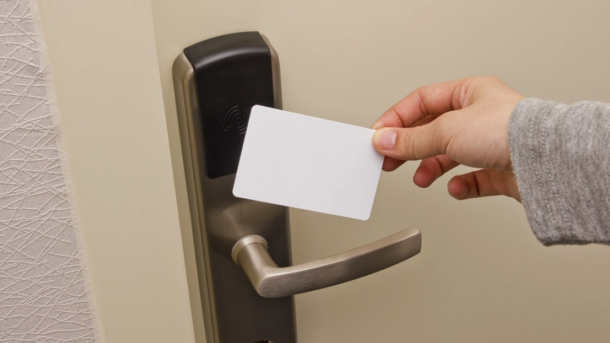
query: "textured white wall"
42, 290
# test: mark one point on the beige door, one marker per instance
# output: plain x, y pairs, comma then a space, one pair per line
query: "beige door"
481, 275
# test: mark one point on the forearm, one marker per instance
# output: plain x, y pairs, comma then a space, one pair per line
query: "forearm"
561, 158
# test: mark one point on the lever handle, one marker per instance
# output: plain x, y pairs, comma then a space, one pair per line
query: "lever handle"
271, 281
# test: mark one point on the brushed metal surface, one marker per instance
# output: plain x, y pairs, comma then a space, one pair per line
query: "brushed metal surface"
271, 281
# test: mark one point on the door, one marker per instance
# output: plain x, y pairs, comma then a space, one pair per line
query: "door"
481, 275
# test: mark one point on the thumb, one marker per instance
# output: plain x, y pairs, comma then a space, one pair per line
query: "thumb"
414, 143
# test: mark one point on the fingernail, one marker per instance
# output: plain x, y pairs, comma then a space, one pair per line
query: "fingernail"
385, 139
377, 126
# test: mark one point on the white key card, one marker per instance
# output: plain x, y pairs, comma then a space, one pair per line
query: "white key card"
309, 163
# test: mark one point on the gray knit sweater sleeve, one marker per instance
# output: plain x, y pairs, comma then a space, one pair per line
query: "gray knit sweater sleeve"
561, 158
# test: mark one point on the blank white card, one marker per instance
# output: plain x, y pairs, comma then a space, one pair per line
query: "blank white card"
309, 163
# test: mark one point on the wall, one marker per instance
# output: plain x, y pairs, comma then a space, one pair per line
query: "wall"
105, 73
43, 293
481, 276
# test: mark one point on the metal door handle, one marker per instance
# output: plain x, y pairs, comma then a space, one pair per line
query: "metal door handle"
271, 281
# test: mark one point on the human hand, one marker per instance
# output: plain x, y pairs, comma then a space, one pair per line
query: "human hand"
452, 123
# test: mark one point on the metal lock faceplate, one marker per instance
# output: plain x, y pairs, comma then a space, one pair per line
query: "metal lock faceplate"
217, 81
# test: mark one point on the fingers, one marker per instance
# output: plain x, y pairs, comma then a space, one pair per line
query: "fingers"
431, 100
483, 183
431, 169
390, 164
413, 143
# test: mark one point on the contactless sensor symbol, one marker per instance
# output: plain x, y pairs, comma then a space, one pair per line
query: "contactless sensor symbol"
235, 121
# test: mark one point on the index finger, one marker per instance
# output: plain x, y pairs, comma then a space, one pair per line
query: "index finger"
432, 100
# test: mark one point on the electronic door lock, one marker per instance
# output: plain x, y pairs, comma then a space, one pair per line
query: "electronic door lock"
232, 73
217, 82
